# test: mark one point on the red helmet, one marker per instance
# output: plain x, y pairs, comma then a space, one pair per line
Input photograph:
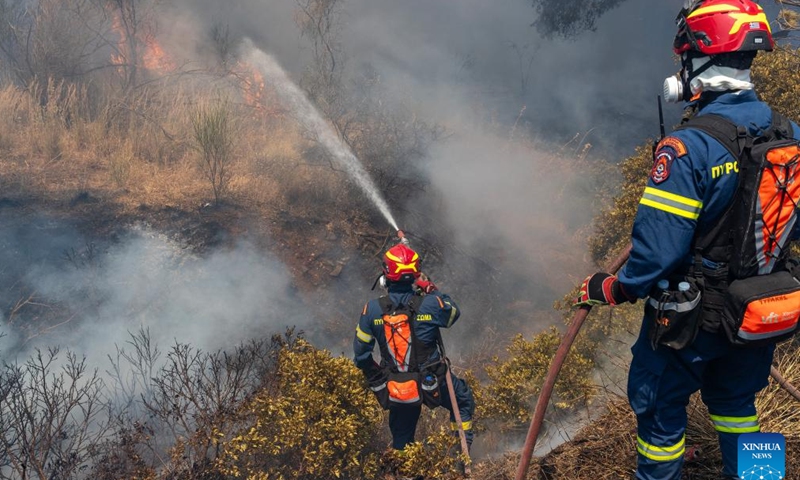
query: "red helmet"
712, 27
401, 264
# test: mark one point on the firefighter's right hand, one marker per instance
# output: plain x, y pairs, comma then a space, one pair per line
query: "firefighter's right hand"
424, 284
600, 289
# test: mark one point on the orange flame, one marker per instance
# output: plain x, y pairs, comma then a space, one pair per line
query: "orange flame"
154, 57
255, 92
149, 53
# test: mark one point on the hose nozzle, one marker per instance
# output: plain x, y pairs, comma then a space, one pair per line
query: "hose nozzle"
402, 236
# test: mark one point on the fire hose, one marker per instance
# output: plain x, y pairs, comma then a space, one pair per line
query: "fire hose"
558, 361
449, 379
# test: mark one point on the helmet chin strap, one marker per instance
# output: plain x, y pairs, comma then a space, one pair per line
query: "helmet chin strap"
380, 280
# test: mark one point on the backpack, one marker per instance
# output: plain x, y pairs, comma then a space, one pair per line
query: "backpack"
753, 297
411, 381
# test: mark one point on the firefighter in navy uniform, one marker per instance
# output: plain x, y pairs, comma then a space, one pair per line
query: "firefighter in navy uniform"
432, 310
690, 186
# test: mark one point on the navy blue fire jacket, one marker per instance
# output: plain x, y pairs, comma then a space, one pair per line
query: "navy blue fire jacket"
437, 310
692, 182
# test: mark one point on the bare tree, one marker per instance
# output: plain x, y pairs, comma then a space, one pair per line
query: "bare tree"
179, 411
50, 39
318, 21
52, 417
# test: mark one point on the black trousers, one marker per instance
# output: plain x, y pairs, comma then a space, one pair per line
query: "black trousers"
403, 420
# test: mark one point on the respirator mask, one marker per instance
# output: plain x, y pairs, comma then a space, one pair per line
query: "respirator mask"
679, 87
676, 88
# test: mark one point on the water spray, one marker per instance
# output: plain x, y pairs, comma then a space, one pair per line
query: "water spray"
309, 116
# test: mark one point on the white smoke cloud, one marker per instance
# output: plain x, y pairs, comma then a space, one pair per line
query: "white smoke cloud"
148, 281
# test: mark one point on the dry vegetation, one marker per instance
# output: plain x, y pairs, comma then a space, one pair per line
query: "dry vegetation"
143, 140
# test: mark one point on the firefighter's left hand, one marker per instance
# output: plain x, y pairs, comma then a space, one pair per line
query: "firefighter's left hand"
600, 289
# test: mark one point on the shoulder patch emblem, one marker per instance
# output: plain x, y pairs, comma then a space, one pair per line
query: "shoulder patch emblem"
676, 144
667, 151
661, 166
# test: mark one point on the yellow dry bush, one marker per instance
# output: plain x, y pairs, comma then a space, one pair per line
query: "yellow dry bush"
437, 457
515, 382
777, 82
319, 422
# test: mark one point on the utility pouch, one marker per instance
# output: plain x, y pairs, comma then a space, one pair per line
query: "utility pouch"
431, 396
404, 389
430, 382
762, 309
675, 313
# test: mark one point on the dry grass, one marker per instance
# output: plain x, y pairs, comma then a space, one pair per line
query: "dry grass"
56, 141
606, 449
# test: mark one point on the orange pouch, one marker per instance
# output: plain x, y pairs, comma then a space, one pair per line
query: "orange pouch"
404, 389
762, 309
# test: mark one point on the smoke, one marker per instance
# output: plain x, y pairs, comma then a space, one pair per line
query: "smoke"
487, 55
509, 99
98, 291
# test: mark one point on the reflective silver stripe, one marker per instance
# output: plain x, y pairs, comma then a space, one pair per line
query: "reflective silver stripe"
765, 265
678, 307
402, 364
378, 388
735, 424
411, 400
452, 313
758, 336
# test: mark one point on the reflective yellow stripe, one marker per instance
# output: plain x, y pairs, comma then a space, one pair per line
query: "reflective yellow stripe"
671, 203
661, 454
742, 18
362, 335
398, 259
732, 10
712, 9
736, 424
464, 425
690, 202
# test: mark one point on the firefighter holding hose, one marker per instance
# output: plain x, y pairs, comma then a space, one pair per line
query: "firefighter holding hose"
413, 371
683, 259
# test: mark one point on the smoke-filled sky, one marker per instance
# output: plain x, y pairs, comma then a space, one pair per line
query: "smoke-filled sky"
452, 56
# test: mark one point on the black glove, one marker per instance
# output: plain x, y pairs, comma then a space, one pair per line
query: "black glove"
601, 289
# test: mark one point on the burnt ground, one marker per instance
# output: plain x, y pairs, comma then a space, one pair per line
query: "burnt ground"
327, 261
